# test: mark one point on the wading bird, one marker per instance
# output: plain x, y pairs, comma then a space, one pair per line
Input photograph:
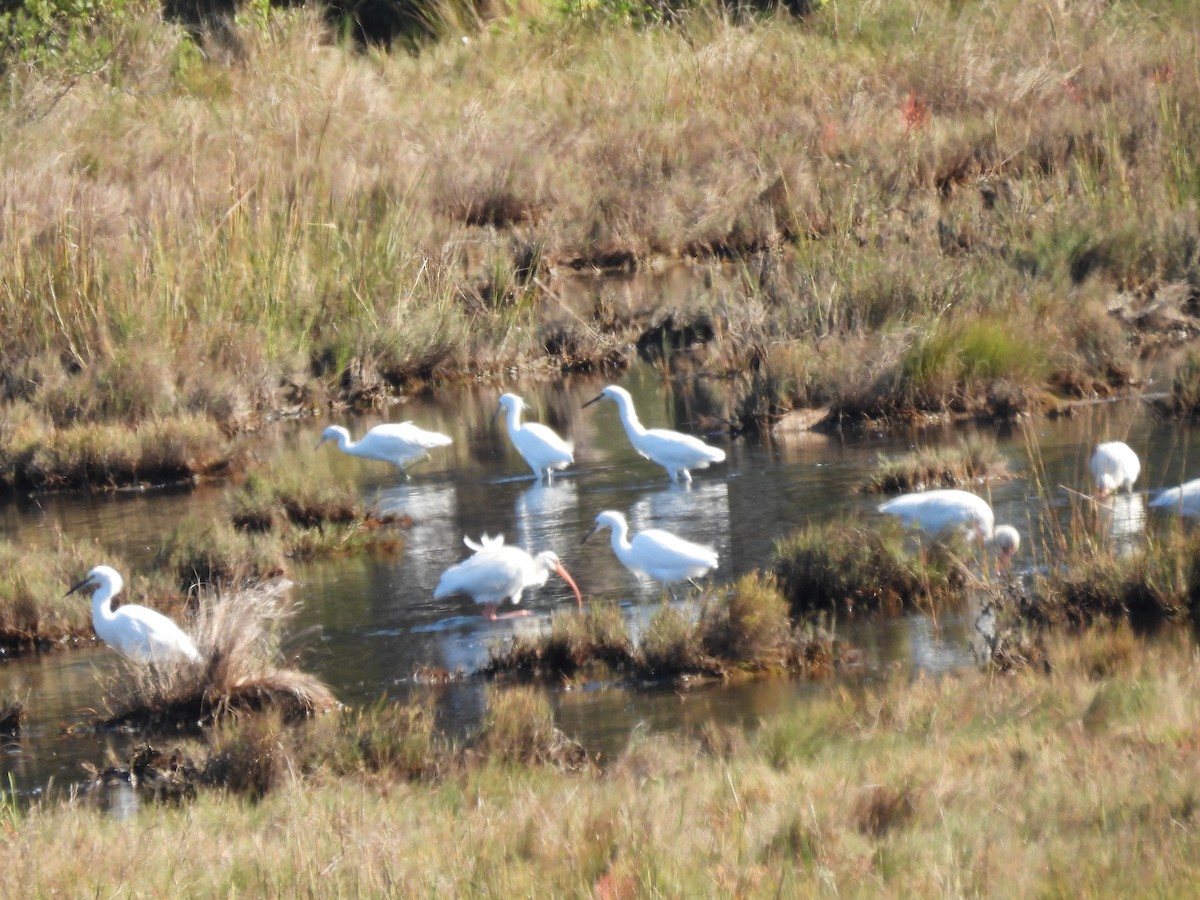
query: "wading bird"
1185, 499
544, 450
398, 444
655, 553
1115, 466
674, 451
497, 572
137, 633
941, 512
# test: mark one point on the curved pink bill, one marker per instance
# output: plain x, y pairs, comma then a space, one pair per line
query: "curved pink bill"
566, 576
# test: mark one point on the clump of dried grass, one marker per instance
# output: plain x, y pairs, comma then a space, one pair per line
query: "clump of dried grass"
241, 670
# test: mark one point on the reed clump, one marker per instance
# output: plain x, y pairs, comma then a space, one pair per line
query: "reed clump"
846, 566
1156, 583
975, 460
241, 670
742, 629
312, 514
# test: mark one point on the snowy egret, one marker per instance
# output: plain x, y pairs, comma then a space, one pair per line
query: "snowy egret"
496, 572
1114, 466
943, 511
137, 633
655, 553
1184, 499
544, 450
398, 444
674, 451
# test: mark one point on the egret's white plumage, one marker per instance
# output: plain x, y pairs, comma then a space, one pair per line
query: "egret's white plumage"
943, 511
137, 633
1115, 466
674, 451
497, 572
398, 444
1185, 499
544, 450
655, 553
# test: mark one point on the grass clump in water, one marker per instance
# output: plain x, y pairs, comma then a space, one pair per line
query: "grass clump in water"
1156, 583
973, 461
238, 635
107, 455
845, 566
742, 629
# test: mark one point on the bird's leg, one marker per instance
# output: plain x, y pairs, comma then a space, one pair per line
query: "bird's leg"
489, 611
687, 476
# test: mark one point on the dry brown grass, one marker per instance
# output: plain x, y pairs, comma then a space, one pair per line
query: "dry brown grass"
897, 216
237, 634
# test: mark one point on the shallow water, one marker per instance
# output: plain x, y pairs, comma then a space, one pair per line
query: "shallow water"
365, 624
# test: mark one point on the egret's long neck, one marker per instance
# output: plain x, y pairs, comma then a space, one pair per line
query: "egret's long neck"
620, 538
513, 415
102, 603
345, 444
629, 418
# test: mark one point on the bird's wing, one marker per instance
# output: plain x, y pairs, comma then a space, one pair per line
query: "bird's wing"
426, 440
548, 437
656, 544
488, 576
152, 637
665, 441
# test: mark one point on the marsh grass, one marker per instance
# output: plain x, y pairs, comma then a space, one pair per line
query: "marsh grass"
1157, 583
849, 566
1030, 784
275, 518
894, 248
973, 461
241, 671
742, 629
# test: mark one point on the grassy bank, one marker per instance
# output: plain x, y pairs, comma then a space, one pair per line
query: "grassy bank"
1080, 781
998, 215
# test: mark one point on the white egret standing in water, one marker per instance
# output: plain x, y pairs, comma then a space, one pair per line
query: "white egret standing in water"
399, 444
1115, 466
655, 553
137, 633
943, 511
674, 451
540, 447
497, 572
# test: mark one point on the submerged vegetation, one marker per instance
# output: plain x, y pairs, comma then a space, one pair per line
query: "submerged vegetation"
1002, 216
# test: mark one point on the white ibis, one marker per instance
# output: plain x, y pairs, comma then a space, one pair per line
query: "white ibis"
1115, 466
943, 511
496, 573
